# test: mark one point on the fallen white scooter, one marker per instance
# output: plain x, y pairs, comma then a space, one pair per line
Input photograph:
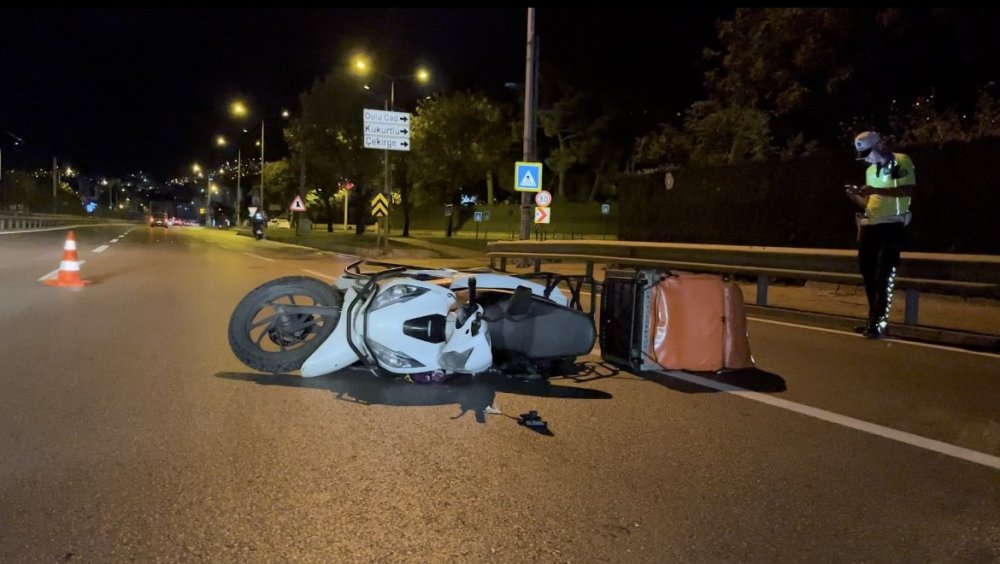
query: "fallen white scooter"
408, 321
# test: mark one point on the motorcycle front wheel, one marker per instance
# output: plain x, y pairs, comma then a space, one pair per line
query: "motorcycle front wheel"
265, 340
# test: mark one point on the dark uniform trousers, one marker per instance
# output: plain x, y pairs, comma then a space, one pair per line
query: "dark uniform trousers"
879, 247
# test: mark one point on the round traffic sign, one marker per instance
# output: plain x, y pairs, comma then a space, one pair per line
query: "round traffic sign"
543, 198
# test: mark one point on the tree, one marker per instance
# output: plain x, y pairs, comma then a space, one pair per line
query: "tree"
282, 185
329, 136
805, 68
727, 135
458, 140
670, 145
23, 189
575, 122
987, 119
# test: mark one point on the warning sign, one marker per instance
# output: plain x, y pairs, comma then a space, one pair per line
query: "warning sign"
542, 215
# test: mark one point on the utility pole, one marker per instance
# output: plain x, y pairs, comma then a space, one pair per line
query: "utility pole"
55, 181
239, 190
390, 105
530, 103
262, 170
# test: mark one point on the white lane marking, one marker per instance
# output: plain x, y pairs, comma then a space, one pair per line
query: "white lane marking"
114, 240
893, 341
837, 419
102, 248
258, 257
56, 271
320, 274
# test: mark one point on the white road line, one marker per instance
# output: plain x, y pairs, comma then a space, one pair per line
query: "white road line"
893, 341
56, 271
320, 274
114, 240
258, 257
102, 248
843, 420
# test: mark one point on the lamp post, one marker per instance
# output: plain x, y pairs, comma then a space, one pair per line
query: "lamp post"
362, 66
196, 168
238, 109
222, 142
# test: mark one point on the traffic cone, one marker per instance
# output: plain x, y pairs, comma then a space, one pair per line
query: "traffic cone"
69, 268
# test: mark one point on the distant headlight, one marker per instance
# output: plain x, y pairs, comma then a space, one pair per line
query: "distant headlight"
396, 294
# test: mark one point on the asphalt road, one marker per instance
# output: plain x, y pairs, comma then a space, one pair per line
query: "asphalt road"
130, 432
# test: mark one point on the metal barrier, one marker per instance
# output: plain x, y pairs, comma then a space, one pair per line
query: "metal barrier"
27, 222
965, 275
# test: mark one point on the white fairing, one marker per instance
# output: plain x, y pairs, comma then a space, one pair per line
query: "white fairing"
334, 353
468, 338
378, 329
385, 325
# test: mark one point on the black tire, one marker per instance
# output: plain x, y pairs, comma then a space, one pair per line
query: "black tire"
265, 342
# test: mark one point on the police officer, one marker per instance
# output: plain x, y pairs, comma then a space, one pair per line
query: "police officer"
889, 184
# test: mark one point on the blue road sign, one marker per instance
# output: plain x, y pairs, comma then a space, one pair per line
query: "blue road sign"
527, 176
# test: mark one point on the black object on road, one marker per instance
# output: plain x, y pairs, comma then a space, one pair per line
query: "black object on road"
532, 421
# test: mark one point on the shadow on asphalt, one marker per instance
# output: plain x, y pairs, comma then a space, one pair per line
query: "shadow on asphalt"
752, 379
469, 393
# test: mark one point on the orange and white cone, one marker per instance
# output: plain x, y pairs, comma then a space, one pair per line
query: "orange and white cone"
69, 268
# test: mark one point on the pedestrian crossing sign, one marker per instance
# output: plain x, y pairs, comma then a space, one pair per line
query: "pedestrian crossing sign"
527, 176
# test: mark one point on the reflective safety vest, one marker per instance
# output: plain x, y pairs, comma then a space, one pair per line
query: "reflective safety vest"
899, 172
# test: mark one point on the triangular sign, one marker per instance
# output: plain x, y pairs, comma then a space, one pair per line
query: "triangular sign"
252, 209
528, 181
297, 204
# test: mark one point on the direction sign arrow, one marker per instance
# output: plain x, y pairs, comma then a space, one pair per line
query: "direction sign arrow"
542, 215
386, 143
387, 130
384, 117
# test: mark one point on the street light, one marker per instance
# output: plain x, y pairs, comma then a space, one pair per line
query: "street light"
238, 109
361, 64
196, 168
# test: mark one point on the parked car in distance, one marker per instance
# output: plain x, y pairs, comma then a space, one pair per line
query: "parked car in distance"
159, 220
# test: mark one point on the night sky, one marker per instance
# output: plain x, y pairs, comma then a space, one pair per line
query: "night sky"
111, 91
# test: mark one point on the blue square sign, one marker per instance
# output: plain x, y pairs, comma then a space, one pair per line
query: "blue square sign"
527, 176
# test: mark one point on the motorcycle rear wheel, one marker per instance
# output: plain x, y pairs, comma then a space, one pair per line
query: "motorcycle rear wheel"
266, 341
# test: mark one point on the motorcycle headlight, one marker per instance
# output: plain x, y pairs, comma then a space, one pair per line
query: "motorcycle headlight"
391, 358
396, 294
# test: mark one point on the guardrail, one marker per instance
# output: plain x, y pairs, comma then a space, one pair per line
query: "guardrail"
27, 222
966, 275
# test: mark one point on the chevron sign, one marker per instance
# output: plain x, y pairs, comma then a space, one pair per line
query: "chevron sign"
380, 205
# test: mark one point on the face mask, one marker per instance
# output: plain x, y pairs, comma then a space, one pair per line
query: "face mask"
874, 157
